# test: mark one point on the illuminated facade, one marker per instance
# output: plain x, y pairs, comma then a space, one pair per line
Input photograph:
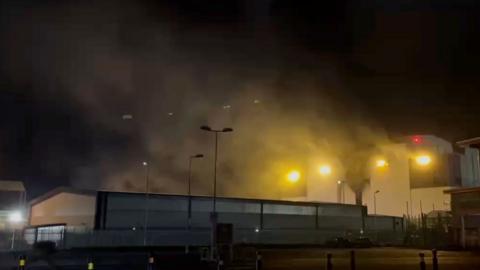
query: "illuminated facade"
406, 178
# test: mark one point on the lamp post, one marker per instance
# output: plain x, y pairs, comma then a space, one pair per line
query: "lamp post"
14, 218
190, 187
213, 217
340, 191
375, 213
145, 222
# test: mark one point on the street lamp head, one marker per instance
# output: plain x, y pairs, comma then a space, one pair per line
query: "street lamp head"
325, 170
378, 191
198, 156
207, 128
15, 217
227, 130
339, 182
423, 160
145, 163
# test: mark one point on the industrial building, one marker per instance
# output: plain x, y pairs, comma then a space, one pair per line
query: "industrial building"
73, 218
466, 216
405, 178
465, 203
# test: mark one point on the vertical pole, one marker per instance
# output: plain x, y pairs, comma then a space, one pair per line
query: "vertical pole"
422, 261
329, 262
375, 215
258, 261
189, 193
261, 216
145, 224
215, 175
150, 261
189, 210
411, 204
13, 239
462, 232
90, 264
22, 262
343, 191
352, 260
408, 212
339, 192
434, 260
214, 213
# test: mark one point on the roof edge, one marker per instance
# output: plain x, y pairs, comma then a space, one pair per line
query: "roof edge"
58, 190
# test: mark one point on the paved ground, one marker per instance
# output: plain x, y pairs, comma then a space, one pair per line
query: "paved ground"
274, 259
379, 258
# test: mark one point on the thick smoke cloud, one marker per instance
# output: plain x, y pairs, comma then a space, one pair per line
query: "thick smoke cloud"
173, 75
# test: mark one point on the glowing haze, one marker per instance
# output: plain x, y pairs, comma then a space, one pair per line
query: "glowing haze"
152, 81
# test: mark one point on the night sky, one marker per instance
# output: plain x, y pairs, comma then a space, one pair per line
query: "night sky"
69, 70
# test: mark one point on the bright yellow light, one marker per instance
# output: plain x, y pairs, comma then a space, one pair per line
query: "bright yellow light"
423, 160
381, 163
325, 170
293, 176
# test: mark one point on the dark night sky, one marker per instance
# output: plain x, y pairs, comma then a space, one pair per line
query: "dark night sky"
409, 66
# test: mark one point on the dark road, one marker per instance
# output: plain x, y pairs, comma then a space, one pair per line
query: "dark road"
276, 259
380, 258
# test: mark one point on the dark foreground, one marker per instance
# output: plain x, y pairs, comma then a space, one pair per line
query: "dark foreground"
273, 259
378, 258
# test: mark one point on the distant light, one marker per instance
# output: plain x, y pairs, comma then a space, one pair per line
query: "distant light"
15, 217
257, 230
256, 101
226, 107
423, 160
325, 170
381, 163
170, 114
127, 117
417, 139
134, 228
339, 182
145, 163
293, 176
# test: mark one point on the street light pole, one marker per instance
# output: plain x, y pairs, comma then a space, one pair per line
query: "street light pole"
213, 217
145, 222
375, 213
190, 187
215, 175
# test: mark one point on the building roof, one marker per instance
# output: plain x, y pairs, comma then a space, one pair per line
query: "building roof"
462, 190
58, 190
12, 186
472, 142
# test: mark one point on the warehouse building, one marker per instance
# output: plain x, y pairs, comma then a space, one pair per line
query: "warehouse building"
73, 217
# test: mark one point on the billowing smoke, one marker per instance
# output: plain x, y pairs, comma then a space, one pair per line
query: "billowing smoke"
149, 78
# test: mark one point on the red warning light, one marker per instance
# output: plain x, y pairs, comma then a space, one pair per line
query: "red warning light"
417, 139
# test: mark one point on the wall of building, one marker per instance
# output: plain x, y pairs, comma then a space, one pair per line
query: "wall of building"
69, 208
127, 211
392, 182
470, 167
